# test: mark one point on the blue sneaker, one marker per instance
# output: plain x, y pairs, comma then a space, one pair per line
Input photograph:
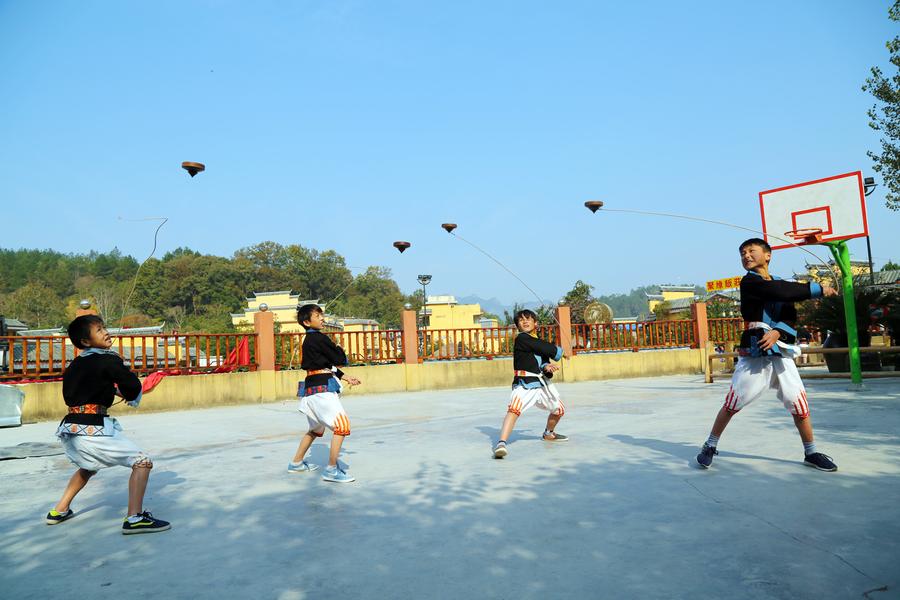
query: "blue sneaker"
705, 458
337, 475
301, 467
820, 461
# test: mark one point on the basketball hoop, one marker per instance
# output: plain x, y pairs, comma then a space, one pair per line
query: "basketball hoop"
811, 235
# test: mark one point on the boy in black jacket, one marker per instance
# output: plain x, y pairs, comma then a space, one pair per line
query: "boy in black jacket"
319, 395
530, 386
91, 438
768, 350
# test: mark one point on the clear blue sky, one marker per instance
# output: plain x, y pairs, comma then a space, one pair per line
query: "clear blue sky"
349, 125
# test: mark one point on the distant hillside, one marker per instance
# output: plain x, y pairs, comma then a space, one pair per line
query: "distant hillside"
490, 305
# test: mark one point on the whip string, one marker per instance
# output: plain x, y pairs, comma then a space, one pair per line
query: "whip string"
141, 266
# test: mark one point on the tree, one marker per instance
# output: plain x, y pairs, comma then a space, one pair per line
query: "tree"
578, 299
175, 317
890, 266
373, 295
36, 305
884, 117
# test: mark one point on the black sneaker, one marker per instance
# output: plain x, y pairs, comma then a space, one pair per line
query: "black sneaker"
147, 524
819, 461
54, 518
704, 459
555, 437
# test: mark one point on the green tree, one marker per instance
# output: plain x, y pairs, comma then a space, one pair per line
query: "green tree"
578, 298
890, 266
373, 295
36, 305
884, 117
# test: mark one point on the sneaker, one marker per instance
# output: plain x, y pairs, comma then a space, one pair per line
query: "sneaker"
337, 475
500, 450
301, 467
54, 517
556, 437
820, 461
147, 524
704, 459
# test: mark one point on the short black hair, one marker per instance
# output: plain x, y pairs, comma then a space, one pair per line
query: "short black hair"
306, 311
755, 242
80, 329
525, 312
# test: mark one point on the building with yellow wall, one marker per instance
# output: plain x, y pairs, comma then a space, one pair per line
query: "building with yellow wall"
283, 305
824, 274
356, 342
444, 312
668, 293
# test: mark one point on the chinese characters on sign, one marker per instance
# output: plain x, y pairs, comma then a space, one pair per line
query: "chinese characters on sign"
717, 285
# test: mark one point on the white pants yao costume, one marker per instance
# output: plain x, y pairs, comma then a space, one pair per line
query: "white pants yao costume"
753, 376
324, 409
544, 396
93, 452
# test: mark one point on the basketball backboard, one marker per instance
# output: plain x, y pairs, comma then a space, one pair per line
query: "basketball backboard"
835, 205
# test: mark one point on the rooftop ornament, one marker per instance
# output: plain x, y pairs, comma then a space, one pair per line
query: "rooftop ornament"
263, 307
402, 246
85, 304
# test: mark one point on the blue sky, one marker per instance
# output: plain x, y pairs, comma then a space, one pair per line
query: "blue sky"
349, 125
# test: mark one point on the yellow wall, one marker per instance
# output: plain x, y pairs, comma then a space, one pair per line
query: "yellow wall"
453, 316
285, 316
43, 401
668, 295
284, 308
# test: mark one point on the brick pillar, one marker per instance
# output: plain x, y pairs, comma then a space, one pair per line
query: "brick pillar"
264, 324
701, 326
564, 316
410, 338
85, 311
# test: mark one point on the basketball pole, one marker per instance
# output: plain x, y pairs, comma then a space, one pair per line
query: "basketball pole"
841, 255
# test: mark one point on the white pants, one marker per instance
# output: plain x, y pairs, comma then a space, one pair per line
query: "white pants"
754, 375
325, 410
94, 452
547, 398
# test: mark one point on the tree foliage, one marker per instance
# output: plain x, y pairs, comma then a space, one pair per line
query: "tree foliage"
189, 290
578, 299
884, 117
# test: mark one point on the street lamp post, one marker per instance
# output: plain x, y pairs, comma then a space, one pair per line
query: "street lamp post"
869, 186
424, 280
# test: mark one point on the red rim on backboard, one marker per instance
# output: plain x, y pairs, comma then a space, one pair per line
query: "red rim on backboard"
810, 235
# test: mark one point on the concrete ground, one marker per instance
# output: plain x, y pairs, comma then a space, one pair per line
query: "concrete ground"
618, 512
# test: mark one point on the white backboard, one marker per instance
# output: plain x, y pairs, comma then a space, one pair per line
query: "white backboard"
836, 205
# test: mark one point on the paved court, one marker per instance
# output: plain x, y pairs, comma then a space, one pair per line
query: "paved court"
618, 512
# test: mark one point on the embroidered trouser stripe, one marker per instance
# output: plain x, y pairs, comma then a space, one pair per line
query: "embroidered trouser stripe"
341, 425
561, 410
801, 407
515, 407
731, 400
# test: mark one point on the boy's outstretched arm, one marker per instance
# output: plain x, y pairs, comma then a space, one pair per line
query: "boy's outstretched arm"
779, 290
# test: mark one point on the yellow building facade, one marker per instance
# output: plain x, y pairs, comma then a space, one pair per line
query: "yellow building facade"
353, 334
283, 306
824, 274
668, 293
